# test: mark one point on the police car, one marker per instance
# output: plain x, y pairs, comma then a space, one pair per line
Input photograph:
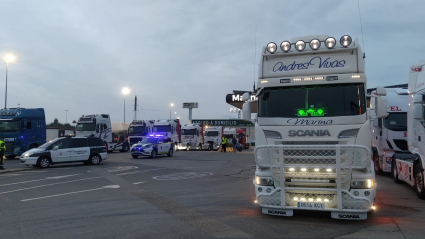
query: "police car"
152, 146
89, 150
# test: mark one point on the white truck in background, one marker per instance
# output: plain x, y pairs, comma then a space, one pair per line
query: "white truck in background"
390, 133
313, 130
192, 137
409, 168
212, 137
99, 125
169, 128
138, 129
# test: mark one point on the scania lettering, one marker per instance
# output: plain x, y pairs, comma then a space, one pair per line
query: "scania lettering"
313, 130
22, 129
139, 129
409, 168
390, 133
100, 126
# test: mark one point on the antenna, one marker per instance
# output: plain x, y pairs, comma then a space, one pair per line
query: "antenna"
255, 51
361, 27
135, 108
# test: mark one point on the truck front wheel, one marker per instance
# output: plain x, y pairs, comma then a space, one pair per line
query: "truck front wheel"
419, 181
378, 170
394, 172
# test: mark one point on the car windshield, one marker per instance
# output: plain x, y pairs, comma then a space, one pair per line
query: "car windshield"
147, 140
137, 130
85, 127
188, 131
46, 145
162, 128
312, 101
211, 133
9, 126
396, 121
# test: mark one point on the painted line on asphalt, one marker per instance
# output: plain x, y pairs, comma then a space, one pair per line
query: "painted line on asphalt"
142, 171
140, 182
22, 189
36, 180
63, 194
181, 176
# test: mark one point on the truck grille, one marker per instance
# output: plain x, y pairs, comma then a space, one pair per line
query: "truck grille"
401, 144
9, 148
313, 173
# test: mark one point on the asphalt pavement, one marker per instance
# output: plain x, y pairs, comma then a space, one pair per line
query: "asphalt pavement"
196, 194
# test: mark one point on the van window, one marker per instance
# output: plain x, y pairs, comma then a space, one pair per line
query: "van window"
62, 143
79, 142
94, 142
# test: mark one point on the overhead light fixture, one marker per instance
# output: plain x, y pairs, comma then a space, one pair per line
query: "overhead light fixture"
345, 40
271, 47
314, 44
285, 46
300, 45
330, 42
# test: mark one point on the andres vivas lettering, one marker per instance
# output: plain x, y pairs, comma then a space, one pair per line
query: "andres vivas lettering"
315, 61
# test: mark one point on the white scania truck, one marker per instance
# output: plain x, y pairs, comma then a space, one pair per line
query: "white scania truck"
169, 128
212, 137
313, 131
192, 136
99, 125
138, 129
409, 168
390, 133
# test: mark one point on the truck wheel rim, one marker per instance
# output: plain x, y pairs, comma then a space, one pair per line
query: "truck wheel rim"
44, 163
95, 160
419, 182
375, 160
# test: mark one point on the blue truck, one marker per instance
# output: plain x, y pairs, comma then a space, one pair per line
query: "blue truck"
22, 129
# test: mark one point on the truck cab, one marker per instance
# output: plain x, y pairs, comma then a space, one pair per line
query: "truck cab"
390, 133
23, 129
139, 129
192, 137
313, 130
169, 128
212, 137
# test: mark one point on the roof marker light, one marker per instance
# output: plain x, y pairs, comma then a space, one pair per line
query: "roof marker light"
356, 76
296, 79
285, 46
314, 44
264, 81
345, 40
330, 42
300, 45
318, 78
271, 47
308, 78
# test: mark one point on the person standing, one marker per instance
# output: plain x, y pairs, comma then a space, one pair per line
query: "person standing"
223, 144
2, 150
234, 142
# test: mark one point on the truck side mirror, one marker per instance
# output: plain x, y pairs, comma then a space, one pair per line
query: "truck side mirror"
418, 111
381, 91
381, 107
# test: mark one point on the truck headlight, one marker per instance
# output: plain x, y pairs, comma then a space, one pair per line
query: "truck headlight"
263, 181
362, 184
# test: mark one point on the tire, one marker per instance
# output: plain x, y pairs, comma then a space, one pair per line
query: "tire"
124, 148
210, 147
394, 172
43, 162
200, 147
153, 154
376, 166
95, 159
419, 181
10, 157
134, 156
170, 152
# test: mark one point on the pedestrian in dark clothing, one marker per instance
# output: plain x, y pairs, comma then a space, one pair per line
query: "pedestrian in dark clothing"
234, 142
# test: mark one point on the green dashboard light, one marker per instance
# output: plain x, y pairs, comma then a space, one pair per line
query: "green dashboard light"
310, 112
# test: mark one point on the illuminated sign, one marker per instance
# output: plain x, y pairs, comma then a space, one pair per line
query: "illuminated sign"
234, 110
237, 97
221, 122
310, 112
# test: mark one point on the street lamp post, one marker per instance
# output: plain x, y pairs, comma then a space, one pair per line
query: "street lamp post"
9, 58
125, 91
66, 117
171, 105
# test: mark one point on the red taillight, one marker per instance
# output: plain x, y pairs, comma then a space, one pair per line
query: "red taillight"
417, 69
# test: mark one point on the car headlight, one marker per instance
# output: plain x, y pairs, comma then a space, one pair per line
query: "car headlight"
362, 184
26, 155
264, 181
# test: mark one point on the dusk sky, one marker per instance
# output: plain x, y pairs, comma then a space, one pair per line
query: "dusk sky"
78, 55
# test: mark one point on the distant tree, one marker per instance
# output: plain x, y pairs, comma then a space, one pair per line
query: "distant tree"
59, 125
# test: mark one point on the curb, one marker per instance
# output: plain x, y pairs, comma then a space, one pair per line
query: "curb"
12, 170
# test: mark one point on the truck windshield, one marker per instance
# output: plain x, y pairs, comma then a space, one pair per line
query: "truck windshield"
85, 127
188, 131
396, 121
162, 128
211, 133
137, 130
312, 101
149, 141
10, 126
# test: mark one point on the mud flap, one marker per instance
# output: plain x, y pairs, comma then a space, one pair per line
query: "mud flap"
278, 212
349, 215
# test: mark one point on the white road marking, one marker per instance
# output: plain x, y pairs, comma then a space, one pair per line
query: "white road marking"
140, 182
184, 175
17, 190
121, 168
142, 171
62, 194
57, 177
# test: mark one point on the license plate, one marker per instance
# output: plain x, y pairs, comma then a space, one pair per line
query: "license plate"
314, 205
